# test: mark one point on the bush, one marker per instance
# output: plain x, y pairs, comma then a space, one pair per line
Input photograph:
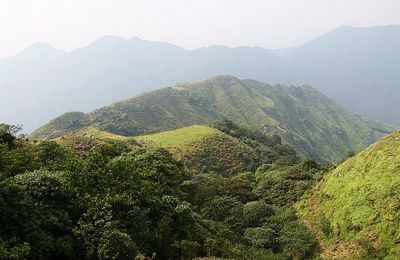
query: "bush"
262, 237
115, 244
298, 241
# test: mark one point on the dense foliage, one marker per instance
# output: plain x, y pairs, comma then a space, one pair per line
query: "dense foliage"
268, 148
120, 201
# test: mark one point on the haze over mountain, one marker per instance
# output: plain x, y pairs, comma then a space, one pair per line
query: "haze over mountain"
307, 120
358, 67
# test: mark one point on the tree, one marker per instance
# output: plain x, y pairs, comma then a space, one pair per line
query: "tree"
8, 134
255, 212
350, 154
115, 244
224, 208
298, 241
262, 237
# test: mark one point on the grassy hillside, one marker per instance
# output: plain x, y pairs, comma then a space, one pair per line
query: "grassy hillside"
200, 148
203, 148
355, 209
181, 139
307, 120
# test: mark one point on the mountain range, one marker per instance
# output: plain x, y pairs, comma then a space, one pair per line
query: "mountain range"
313, 124
357, 67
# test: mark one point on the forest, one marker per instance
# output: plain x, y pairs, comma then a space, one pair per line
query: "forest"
123, 200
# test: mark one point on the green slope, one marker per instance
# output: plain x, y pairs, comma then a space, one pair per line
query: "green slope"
200, 148
181, 139
203, 148
355, 209
313, 124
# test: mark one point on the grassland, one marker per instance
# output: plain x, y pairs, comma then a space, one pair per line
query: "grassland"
180, 139
355, 210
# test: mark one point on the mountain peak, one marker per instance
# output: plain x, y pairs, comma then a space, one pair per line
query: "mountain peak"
40, 49
109, 40
349, 27
218, 80
224, 78
346, 29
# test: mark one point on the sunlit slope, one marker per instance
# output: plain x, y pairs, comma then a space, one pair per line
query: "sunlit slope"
180, 139
200, 148
307, 120
203, 148
356, 209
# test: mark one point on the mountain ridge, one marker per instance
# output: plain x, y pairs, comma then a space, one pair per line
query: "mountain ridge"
361, 73
301, 115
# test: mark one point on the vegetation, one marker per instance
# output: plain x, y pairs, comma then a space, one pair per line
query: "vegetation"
223, 148
355, 209
305, 119
181, 139
120, 199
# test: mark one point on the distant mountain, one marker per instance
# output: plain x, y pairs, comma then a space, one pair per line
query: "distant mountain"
357, 67
40, 86
355, 209
26, 85
312, 123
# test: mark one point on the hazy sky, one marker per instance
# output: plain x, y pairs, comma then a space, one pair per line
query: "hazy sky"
68, 24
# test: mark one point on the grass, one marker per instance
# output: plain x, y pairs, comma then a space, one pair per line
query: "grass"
96, 133
201, 148
181, 139
358, 203
204, 149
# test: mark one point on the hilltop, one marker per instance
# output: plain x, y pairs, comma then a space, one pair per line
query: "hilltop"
354, 210
204, 148
313, 124
200, 148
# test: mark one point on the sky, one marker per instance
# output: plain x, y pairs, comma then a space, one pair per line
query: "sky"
272, 24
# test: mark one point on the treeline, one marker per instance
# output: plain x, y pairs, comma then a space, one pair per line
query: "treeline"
122, 201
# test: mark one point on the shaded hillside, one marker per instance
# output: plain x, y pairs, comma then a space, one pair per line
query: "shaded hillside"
313, 124
355, 209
